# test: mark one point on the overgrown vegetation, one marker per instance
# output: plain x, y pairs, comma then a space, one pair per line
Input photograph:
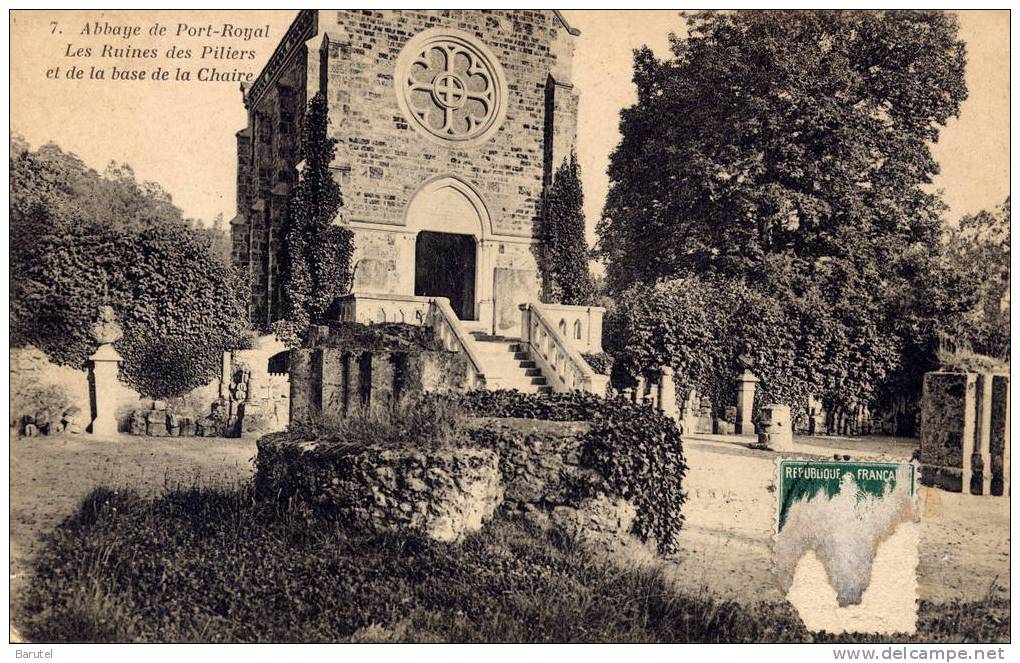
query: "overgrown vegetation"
798, 167
80, 239
978, 250
318, 254
204, 565
564, 254
637, 450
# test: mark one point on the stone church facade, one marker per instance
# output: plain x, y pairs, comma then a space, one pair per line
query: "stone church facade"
449, 125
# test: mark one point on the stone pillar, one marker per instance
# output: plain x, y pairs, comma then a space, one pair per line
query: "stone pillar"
103, 368
746, 385
948, 424
982, 438
776, 421
667, 394
484, 298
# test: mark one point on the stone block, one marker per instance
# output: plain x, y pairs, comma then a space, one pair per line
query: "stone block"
775, 420
948, 423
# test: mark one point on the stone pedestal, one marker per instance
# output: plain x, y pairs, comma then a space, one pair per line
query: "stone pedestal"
103, 367
746, 384
775, 420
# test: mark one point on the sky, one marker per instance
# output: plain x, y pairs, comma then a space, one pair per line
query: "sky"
182, 134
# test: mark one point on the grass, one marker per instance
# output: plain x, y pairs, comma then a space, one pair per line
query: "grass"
212, 565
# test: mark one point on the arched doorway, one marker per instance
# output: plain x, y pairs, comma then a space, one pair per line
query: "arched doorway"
450, 223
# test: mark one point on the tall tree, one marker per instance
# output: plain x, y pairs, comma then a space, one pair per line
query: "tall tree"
978, 251
799, 132
317, 253
791, 150
564, 250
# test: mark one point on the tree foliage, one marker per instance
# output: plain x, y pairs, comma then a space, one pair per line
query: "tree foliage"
789, 151
978, 251
317, 257
79, 239
805, 133
564, 251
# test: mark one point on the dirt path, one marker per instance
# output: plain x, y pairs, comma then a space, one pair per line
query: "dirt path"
727, 538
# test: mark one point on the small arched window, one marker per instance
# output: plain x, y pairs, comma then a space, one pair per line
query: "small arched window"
563, 326
577, 329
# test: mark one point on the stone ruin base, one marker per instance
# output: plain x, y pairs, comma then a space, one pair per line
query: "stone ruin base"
965, 432
522, 467
442, 494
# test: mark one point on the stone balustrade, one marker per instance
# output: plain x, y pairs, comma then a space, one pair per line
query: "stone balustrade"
561, 364
580, 325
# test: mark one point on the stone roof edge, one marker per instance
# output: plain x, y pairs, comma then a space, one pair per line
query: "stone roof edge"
570, 29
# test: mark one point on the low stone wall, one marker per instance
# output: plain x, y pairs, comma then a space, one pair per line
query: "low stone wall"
442, 493
965, 432
539, 461
524, 467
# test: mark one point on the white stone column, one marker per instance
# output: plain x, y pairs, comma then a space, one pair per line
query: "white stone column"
103, 367
484, 304
746, 385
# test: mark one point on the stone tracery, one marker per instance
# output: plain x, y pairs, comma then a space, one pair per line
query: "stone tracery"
451, 87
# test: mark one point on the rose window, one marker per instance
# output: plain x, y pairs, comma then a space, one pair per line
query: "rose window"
451, 87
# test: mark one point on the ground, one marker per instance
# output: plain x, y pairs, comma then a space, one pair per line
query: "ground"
725, 544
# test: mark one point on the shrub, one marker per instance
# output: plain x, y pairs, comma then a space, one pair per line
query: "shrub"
600, 362
317, 265
93, 240
564, 251
30, 399
701, 327
637, 450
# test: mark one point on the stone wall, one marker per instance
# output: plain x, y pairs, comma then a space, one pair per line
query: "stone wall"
965, 432
32, 373
525, 467
442, 493
38, 382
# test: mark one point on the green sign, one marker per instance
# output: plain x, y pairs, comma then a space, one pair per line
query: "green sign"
802, 480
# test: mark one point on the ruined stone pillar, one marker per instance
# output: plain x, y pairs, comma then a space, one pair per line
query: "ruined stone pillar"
983, 437
103, 368
746, 384
667, 394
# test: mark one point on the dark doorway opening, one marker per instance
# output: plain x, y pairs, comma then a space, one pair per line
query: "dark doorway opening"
444, 266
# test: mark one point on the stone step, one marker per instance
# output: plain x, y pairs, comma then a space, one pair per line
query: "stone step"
484, 337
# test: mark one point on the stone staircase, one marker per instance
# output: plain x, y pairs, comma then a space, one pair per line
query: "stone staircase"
508, 365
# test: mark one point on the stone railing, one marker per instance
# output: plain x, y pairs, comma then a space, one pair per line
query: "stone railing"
580, 325
447, 326
562, 365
